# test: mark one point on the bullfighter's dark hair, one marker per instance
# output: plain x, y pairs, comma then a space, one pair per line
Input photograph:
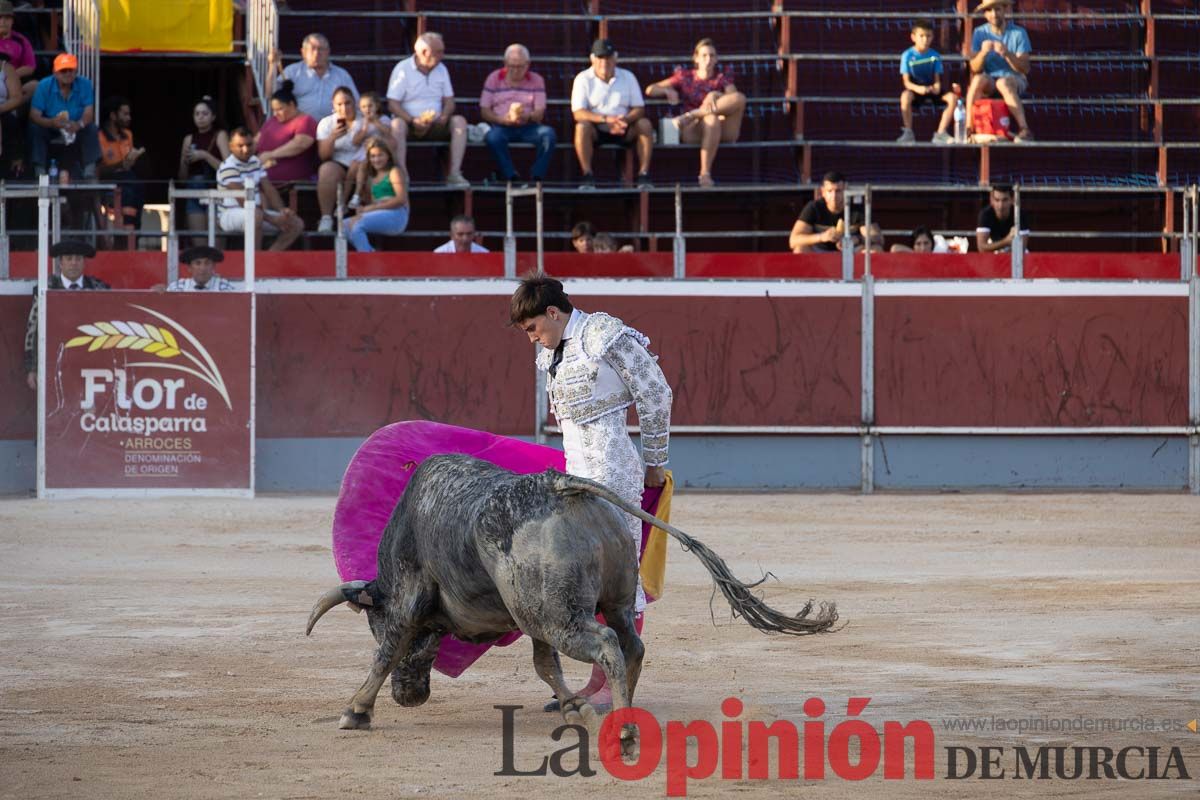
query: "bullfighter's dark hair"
537, 292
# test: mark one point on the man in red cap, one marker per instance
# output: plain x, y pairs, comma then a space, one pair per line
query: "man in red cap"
62, 121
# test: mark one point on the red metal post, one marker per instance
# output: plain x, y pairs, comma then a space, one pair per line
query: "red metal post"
962, 9
1168, 243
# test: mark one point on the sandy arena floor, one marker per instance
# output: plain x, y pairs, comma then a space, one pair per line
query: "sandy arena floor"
157, 649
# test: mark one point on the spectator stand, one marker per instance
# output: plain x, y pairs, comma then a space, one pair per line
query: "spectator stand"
1118, 115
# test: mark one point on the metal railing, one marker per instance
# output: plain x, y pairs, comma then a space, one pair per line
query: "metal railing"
262, 38
680, 196
724, 16
81, 34
211, 198
865, 194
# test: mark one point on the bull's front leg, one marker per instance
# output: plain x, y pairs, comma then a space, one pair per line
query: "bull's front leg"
410, 679
358, 715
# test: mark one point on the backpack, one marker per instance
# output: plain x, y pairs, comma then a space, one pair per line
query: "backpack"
991, 118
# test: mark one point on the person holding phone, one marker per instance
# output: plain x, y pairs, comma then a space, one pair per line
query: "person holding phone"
336, 149
200, 155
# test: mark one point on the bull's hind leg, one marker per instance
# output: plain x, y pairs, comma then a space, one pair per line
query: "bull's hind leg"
549, 669
623, 622
588, 640
358, 715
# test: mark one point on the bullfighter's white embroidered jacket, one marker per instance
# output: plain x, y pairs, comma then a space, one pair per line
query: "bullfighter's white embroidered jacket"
607, 367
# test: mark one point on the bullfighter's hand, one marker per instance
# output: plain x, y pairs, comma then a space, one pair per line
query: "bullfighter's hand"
656, 476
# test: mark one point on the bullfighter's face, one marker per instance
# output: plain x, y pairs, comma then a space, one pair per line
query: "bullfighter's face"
547, 329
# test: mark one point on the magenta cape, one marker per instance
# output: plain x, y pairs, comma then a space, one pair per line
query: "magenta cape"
375, 480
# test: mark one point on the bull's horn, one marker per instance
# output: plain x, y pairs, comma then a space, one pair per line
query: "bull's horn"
334, 597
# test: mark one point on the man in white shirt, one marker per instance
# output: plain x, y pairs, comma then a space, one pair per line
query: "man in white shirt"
201, 261
242, 169
421, 100
462, 237
314, 78
608, 108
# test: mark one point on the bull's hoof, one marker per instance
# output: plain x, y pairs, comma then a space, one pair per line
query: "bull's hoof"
410, 696
354, 721
625, 747
591, 717
572, 710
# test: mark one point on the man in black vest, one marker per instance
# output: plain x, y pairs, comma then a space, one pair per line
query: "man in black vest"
71, 258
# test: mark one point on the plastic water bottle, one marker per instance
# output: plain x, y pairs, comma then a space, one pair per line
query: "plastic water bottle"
53, 171
960, 121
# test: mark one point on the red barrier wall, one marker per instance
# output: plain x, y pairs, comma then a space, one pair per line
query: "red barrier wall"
18, 404
346, 365
343, 365
1035, 361
141, 270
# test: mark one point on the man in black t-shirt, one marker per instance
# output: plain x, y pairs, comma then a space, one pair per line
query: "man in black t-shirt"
994, 232
819, 228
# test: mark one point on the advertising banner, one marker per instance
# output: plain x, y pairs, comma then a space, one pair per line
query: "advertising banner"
148, 392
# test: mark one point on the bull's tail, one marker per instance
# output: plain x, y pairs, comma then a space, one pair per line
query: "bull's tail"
742, 601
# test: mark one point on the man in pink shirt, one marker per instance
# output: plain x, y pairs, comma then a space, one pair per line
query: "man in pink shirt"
513, 102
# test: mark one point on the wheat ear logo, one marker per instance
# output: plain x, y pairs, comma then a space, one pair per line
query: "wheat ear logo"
154, 340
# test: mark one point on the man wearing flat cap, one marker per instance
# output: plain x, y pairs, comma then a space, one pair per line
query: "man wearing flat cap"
608, 107
202, 261
70, 255
1000, 61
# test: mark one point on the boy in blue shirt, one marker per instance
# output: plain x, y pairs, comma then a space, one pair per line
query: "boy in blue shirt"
1000, 61
921, 71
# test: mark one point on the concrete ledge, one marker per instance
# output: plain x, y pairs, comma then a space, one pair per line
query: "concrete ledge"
922, 463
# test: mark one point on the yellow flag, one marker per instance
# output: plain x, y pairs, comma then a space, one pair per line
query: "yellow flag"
196, 26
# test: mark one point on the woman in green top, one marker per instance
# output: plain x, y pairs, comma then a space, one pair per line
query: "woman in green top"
383, 198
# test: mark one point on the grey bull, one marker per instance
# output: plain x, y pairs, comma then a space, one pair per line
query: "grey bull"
476, 551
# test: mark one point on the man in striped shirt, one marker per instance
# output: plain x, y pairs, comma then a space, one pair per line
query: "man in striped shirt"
242, 169
513, 102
